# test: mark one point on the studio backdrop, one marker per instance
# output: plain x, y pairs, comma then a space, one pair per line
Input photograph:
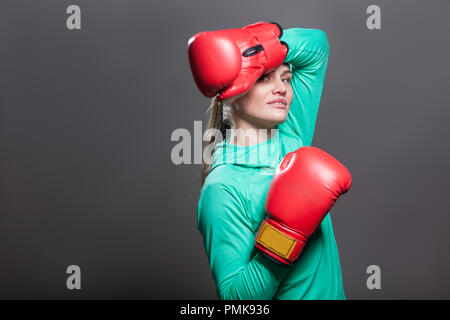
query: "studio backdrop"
96, 97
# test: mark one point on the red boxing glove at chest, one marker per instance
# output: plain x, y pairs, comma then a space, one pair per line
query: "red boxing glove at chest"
304, 187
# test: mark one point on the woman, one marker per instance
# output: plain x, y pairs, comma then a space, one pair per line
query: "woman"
235, 184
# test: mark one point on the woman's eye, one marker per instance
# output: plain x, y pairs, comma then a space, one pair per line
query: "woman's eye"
263, 77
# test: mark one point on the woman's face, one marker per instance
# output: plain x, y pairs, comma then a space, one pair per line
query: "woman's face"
267, 103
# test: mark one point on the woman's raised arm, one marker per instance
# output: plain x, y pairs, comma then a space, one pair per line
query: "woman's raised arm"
308, 55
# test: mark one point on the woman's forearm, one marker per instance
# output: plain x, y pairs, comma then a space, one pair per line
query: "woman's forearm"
259, 280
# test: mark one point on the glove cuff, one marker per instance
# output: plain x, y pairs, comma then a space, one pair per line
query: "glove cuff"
279, 242
268, 34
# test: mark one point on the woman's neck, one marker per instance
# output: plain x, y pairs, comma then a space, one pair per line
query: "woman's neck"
246, 134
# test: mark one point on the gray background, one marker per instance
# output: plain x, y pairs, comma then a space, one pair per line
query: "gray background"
86, 119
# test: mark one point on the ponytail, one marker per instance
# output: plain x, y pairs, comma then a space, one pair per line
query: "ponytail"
219, 119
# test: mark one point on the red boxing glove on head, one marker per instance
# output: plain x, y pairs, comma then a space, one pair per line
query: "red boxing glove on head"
303, 189
230, 61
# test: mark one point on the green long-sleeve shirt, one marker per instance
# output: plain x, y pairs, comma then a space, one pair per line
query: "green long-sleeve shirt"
231, 203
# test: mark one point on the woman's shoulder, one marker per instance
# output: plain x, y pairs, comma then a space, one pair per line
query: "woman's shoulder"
226, 181
222, 197
226, 176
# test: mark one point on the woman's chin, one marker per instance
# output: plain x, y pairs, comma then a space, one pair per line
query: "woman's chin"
278, 117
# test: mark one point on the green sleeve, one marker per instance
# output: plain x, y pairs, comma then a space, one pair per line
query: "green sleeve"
308, 56
228, 239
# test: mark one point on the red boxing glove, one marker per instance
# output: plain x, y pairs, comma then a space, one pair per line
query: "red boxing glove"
230, 61
303, 189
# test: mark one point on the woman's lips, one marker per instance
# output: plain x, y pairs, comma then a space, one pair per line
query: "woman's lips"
278, 103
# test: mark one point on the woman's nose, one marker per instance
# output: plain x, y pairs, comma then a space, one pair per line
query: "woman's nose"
280, 87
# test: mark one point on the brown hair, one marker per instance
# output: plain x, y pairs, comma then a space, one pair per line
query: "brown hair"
216, 121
